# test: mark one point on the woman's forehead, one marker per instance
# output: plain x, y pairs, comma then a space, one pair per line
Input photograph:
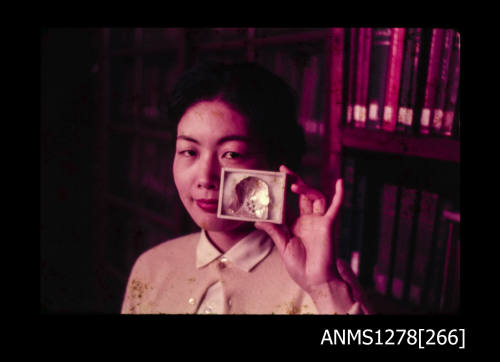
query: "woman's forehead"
214, 117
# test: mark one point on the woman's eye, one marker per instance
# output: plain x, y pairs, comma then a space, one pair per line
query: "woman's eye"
187, 153
231, 155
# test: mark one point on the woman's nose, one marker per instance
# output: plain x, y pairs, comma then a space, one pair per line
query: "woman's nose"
209, 173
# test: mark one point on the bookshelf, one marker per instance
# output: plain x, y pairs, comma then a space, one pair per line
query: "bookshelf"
399, 144
135, 195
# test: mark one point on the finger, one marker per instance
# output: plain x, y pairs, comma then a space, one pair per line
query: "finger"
295, 178
306, 190
299, 186
305, 205
277, 234
337, 200
319, 206
311, 200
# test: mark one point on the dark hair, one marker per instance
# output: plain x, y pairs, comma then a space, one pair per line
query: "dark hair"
266, 100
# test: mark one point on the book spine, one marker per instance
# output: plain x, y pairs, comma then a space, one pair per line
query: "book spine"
410, 114
351, 86
432, 80
387, 219
409, 80
319, 101
346, 232
437, 119
281, 64
426, 219
393, 79
452, 90
359, 231
362, 72
404, 89
450, 289
456, 121
408, 197
308, 96
381, 44
434, 272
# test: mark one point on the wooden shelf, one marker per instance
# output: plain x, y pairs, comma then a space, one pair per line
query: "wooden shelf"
315, 35
433, 147
279, 39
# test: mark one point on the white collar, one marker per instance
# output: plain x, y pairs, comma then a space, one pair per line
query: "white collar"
245, 254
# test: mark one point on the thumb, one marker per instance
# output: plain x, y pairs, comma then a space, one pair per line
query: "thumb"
276, 233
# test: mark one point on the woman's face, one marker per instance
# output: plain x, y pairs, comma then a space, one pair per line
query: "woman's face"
211, 135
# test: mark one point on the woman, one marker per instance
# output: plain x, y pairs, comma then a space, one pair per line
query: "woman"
242, 116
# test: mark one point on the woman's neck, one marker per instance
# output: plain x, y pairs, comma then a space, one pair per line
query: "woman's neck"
224, 240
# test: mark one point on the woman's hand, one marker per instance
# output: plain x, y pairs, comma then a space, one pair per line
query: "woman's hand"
308, 251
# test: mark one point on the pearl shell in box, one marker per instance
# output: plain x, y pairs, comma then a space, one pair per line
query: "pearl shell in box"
252, 195
250, 198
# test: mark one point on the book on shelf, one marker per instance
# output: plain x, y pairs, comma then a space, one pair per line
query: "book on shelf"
379, 59
456, 118
308, 96
403, 79
450, 290
405, 223
284, 65
452, 88
439, 103
362, 77
432, 80
393, 80
388, 209
351, 74
319, 100
359, 220
431, 295
421, 262
353, 214
408, 86
347, 217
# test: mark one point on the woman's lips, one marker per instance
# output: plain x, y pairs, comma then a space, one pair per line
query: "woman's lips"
208, 205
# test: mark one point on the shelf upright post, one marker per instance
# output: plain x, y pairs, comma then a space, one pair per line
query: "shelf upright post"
331, 170
333, 109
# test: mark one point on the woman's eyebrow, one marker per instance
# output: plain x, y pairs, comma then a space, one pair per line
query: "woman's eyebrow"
186, 138
234, 138
219, 142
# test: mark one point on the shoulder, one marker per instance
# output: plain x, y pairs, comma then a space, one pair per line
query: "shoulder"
172, 249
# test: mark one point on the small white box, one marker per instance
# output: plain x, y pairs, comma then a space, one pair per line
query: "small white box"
252, 195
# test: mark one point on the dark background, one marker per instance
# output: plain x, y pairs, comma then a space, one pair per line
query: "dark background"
67, 154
